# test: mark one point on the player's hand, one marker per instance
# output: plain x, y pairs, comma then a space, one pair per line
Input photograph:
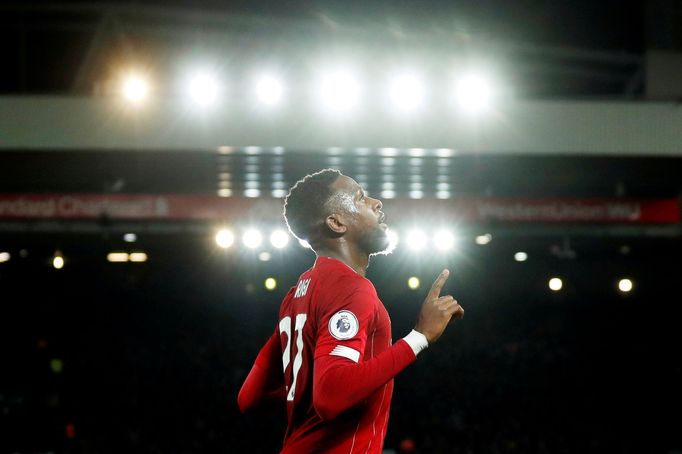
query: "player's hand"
437, 311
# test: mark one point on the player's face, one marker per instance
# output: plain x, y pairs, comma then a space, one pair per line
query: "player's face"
367, 225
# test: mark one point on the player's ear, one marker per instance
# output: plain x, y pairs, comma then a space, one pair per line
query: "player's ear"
336, 223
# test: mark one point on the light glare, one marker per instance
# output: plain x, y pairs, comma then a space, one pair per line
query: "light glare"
339, 90
413, 283
416, 240
129, 237
224, 238
58, 262
406, 92
473, 93
625, 285
269, 90
270, 283
203, 89
555, 284
135, 88
520, 256
444, 240
137, 257
4, 257
252, 238
117, 257
484, 239
279, 239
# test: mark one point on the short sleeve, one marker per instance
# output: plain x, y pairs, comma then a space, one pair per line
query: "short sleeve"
345, 324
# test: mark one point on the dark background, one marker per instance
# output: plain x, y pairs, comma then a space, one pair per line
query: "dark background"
152, 355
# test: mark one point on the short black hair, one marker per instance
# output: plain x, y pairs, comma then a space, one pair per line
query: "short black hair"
306, 203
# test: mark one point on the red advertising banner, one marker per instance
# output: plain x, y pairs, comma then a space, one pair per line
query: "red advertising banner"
189, 207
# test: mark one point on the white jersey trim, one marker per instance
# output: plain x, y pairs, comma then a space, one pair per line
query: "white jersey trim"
346, 352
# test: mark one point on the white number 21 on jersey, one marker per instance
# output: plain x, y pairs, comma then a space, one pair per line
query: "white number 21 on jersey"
285, 327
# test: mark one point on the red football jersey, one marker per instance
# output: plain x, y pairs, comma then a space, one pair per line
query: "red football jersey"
331, 359
333, 317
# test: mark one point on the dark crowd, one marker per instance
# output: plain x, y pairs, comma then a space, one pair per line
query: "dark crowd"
107, 358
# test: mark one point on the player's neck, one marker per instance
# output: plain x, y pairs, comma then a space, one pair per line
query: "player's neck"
356, 260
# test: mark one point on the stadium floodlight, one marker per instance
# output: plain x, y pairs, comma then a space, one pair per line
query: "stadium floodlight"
279, 239
137, 257
117, 257
416, 240
473, 93
625, 285
270, 283
269, 90
203, 89
135, 88
444, 240
406, 92
555, 284
484, 239
252, 238
339, 90
4, 257
58, 261
413, 283
520, 256
224, 238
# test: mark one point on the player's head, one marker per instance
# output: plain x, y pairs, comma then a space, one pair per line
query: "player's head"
327, 206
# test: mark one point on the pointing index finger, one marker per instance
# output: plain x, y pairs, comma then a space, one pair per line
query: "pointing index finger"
438, 284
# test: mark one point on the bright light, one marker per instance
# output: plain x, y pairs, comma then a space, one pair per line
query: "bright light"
203, 89
473, 93
138, 257
406, 92
117, 257
444, 240
339, 90
129, 237
279, 239
416, 240
4, 257
264, 256
270, 283
520, 256
555, 284
269, 90
304, 244
392, 241
485, 239
625, 285
224, 238
135, 88
413, 283
58, 262
252, 238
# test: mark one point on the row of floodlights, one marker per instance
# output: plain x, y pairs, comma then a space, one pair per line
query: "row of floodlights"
58, 261
337, 89
415, 240
555, 284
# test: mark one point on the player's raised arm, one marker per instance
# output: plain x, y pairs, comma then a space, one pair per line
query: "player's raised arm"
437, 311
341, 381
